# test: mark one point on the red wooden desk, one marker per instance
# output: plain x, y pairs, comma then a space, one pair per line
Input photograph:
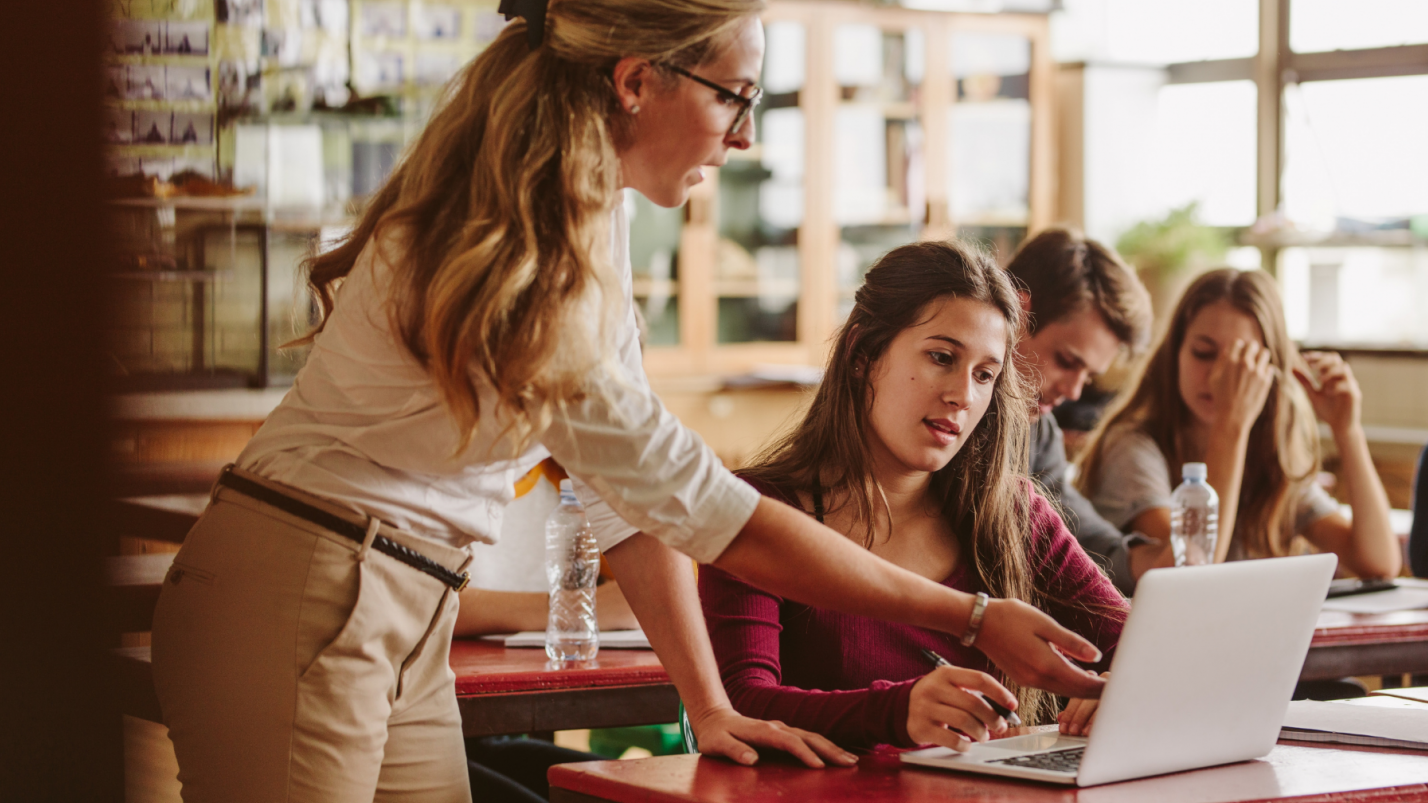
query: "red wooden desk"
502, 691
1347, 644
517, 691
1291, 771
499, 690
630, 687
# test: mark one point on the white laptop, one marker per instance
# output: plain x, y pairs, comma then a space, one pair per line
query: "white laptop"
1202, 676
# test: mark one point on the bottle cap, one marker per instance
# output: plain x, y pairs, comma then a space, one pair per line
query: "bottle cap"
1194, 471
567, 493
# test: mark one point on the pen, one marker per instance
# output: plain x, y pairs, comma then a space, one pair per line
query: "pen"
1002, 711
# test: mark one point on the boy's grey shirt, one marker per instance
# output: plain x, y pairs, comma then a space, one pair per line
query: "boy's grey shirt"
1107, 546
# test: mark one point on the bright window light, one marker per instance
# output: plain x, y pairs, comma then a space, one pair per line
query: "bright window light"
1205, 150
1356, 149
1322, 25
1155, 31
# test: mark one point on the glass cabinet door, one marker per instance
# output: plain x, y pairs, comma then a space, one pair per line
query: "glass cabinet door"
879, 191
654, 258
761, 205
989, 138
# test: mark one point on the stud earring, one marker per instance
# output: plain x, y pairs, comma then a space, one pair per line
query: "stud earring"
635, 109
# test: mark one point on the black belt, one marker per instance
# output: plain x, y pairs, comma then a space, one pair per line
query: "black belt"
343, 527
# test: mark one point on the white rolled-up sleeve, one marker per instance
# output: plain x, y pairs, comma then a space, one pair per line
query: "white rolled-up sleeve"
609, 528
637, 468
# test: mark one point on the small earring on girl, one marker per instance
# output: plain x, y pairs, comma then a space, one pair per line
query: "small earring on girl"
635, 109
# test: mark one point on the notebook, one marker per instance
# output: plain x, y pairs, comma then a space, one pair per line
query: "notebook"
1419, 693
1375, 724
1407, 594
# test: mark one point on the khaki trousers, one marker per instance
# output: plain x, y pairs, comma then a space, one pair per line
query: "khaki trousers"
294, 665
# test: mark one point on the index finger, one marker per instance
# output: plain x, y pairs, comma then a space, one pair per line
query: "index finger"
981, 682
1233, 353
1061, 676
1070, 681
1308, 380
1069, 643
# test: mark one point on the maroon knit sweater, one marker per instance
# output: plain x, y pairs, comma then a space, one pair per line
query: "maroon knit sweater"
850, 677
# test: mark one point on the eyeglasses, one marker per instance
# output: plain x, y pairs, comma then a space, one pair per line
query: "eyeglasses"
746, 103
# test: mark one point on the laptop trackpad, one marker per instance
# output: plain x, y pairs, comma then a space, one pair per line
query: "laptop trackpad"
1018, 745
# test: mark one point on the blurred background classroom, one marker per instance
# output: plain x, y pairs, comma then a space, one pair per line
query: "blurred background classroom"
1282, 134
240, 135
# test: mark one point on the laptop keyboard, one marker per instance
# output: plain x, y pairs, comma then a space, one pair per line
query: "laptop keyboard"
1056, 761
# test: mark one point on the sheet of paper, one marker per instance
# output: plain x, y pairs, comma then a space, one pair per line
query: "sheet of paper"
1416, 693
1404, 598
1376, 700
609, 639
1405, 724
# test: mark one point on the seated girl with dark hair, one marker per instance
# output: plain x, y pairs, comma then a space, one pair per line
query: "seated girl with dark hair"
915, 447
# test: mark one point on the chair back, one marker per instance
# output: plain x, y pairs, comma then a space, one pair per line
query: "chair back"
1418, 533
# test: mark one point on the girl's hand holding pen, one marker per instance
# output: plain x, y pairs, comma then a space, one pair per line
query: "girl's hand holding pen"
949, 702
1004, 712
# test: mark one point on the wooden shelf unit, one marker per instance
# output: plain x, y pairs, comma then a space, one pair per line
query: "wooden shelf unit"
822, 299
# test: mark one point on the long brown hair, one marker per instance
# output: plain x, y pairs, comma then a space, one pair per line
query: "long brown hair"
1283, 450
984, 490
503, 206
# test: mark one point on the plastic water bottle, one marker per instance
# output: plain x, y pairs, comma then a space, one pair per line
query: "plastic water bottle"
572, 566
1194, 518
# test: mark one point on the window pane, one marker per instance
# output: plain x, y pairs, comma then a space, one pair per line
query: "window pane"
1356, 296
877, 131
880, 192
989, 145
999, 241
1205, 150
654, 258
858, 248
785, 59
1155, 31
1356, 149
1321, 25
756, 266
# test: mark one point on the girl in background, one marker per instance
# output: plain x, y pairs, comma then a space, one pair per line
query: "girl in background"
1218, 390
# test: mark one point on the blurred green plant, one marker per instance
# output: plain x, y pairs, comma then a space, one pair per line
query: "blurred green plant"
1162, 248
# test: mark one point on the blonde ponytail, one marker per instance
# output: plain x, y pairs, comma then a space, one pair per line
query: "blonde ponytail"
504, 204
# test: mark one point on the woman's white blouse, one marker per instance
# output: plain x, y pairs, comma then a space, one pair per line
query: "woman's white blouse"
364, 425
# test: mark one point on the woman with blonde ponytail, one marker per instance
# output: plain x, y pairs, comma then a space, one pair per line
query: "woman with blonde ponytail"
477, 319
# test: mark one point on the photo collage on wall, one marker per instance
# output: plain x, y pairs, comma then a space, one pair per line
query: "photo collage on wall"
417, 44
159, 89
159, 37
158, 82
177, 74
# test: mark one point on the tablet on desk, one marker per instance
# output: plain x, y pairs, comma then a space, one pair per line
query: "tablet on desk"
1352, 585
